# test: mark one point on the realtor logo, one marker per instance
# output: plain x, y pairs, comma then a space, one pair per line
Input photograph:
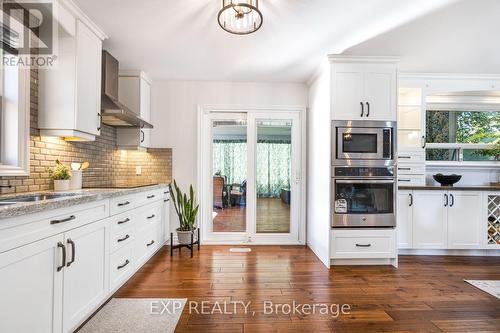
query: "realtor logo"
28, 33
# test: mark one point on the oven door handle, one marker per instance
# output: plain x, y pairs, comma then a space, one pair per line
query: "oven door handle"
364, 181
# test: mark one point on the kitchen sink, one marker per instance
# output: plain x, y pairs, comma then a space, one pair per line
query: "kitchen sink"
33, 198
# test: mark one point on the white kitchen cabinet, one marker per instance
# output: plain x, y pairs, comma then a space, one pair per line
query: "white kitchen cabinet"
31, 287
363, 88
70, 93
429, 218
166, 216
86, 275
404, 222
464, 220
134, 91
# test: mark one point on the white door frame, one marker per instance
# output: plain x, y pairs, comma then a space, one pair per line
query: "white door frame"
205, 192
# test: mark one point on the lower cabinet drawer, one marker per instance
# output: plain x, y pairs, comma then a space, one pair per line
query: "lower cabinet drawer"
147, 242
363, 244
411, 180
411, 169
120, 238
121, 266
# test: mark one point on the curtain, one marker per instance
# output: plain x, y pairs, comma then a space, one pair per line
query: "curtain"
273, 164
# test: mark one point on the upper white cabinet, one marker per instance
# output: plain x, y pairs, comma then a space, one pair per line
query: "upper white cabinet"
134, 91
70, 93
364, 88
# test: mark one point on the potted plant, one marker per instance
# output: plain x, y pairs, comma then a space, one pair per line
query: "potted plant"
60, 174
187, 210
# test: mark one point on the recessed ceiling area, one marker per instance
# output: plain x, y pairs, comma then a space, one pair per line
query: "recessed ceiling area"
181, 40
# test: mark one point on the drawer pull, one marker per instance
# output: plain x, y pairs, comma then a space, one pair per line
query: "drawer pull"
124, 221
166, 200
363, 245
165, 192
124, 264
149, 244
124, 203
72, 217
407, 157
404, 169
150, 217
150, 196
404, 180
123, 239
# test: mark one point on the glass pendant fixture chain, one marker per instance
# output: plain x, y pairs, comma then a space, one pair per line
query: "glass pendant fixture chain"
240, 17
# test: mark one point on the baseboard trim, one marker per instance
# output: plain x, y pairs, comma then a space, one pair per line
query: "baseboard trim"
430, 252
364, 262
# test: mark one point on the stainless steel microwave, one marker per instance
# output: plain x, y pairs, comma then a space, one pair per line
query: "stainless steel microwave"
362, 142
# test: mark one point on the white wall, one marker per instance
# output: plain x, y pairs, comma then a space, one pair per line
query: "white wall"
318, 166
175, 115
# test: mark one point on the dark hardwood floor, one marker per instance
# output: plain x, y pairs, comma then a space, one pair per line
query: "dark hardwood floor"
426, 294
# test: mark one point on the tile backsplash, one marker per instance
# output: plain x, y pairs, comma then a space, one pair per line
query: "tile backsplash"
109, 166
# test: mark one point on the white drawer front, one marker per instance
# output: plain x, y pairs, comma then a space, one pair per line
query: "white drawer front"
150, 196
122, 204
121, 238
411, 169
364, 245
121, 266
151, 213
147, 242
411, 157
411, 180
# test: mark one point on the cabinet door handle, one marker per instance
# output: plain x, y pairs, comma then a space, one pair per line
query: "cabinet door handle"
362, 109
99, 117
424, 143
61, 245
72, 217
70, 242
150, 196
149, 244
123, 239
452, 200
367, 109
124, 221
124, 203
124, 264
446, 200
411, 200
150, 217
142, 136
363, 245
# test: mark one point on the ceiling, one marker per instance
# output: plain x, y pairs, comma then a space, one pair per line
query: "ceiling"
181, 40
461, 38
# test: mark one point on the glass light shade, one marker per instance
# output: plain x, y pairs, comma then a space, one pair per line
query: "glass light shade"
240, 17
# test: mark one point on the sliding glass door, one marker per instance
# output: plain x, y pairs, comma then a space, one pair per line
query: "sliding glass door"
251, 175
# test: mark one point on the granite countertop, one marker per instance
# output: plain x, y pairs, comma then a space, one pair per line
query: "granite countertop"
491, 187
69, 198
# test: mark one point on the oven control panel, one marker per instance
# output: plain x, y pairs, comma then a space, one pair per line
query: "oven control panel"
364, 172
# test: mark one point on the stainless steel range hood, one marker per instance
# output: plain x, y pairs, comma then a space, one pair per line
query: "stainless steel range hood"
115, 113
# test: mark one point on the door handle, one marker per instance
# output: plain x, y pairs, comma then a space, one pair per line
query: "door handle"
446, 200
123, 239
423, 141
367, 109
362, 109
411, 200
124, 264
142, 136
99, 116
72, 217
363, 245
452, 200
70, 242
61, 245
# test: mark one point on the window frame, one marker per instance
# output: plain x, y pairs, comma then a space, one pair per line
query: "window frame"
22, 166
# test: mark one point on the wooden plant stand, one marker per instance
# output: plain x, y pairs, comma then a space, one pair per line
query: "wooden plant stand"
189, 246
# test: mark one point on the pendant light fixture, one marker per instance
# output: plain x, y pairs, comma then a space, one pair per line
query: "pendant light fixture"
240, 17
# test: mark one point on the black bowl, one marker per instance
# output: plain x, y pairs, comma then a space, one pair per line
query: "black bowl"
446, 180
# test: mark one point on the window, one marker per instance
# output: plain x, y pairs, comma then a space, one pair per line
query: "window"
14, 115
463, 135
